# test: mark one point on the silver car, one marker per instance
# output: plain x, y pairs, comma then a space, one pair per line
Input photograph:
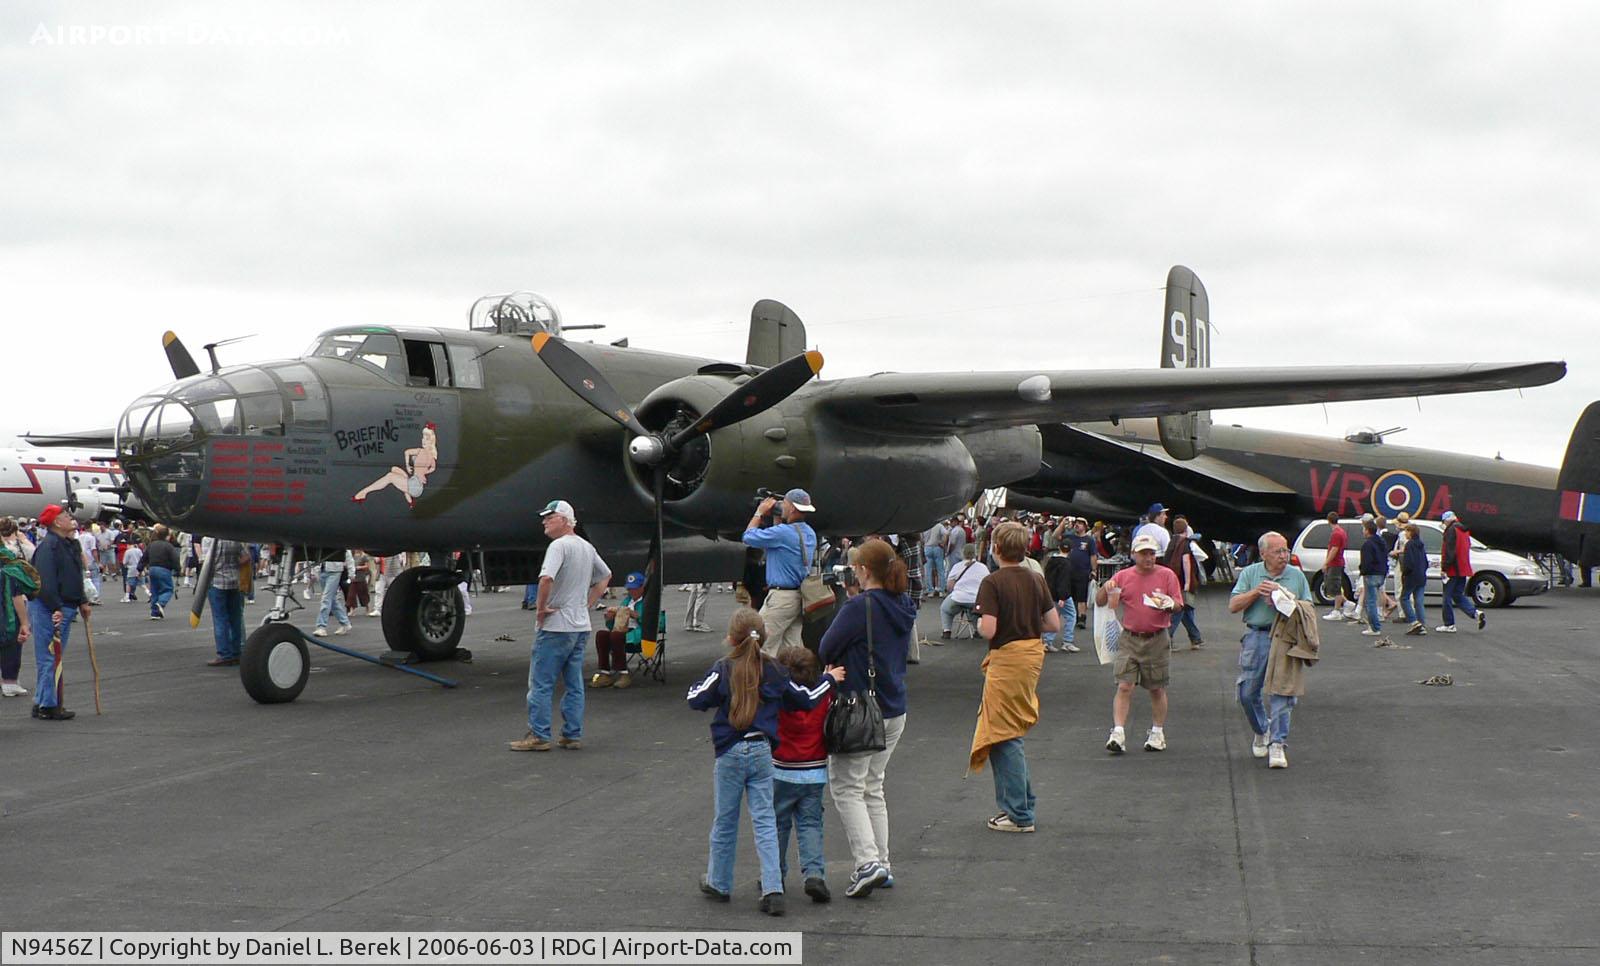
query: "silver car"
1498, 577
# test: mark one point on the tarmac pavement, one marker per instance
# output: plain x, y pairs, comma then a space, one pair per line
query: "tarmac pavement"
1415, 825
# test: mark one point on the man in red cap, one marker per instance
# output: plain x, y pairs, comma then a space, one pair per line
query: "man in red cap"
59, 561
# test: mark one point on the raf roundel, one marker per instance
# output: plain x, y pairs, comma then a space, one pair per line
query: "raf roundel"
1397, 492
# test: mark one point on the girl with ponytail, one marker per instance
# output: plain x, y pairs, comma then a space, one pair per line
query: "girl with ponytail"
746, 690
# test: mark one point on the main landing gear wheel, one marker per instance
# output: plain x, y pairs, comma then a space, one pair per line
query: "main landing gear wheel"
423, 613
275, 664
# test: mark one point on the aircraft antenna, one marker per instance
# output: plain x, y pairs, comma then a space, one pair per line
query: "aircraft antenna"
211, 348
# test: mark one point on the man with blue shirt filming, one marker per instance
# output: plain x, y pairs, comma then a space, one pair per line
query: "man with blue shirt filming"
791, 549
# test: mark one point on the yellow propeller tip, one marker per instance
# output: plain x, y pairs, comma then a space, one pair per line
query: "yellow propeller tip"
168, 337
814, 359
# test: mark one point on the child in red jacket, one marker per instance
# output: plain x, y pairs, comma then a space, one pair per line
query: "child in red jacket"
800, 775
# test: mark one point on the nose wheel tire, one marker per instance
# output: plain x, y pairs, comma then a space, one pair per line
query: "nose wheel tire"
275, 664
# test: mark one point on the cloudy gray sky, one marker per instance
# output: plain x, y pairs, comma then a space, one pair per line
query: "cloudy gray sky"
931, 186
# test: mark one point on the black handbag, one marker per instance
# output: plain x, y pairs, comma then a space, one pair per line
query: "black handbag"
855, 722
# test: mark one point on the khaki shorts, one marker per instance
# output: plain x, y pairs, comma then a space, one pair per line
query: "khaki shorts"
1332, 583
1144, 659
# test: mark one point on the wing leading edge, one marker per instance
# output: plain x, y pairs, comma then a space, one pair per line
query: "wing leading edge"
955, 401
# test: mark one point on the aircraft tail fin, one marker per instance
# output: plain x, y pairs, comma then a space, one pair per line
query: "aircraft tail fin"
1185, 344
776, 334
1577, 522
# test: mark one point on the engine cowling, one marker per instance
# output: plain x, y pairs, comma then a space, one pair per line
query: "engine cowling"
861, 481
91, 503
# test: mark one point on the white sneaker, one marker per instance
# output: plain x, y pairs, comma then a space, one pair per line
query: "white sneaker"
13, 690
1446, 628
1278, 757
320, 632
1258, 746
343, 629
1333, 615
372, 613
1071, 648
1117, 742
1157, 741
1369, 632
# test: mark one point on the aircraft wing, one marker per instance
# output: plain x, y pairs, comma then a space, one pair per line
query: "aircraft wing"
84, 439
942, 402
1206, 471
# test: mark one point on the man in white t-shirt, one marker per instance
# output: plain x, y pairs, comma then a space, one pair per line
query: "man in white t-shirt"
572, 578
1156, 526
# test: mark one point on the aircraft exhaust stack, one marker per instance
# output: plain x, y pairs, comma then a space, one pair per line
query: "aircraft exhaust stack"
1185, 344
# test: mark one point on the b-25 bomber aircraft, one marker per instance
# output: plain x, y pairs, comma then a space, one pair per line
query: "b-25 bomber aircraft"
396, 437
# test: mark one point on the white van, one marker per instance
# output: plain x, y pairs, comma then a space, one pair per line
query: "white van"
1498, 577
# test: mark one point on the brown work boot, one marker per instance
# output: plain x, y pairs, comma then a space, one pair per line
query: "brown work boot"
623, 680
570, 744
601, 679
530, 742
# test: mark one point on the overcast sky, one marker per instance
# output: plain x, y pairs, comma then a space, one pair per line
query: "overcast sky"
930, 186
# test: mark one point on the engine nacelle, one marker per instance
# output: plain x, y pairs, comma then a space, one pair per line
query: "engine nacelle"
861, 481
92, 503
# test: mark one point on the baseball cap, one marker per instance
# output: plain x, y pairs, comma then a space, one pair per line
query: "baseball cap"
47, 516
635, 580
1154, 509
1145, 541
562, 507
801, 500
1447, 516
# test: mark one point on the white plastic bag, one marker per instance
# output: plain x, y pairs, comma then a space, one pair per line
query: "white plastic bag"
1106, 628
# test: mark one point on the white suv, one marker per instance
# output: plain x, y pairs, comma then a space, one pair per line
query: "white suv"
1498, 577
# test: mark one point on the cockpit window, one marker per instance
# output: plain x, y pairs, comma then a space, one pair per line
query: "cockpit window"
308, 402
378, 351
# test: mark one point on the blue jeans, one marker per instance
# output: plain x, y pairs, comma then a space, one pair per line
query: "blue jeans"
1013, 792
801, 806
744, 770
1185, 616
1273, 719
332, 600
948, 610
130, 584
1413, 611
227, 621
936, 568
530, 594
1068, 612
1374, 593
160, 589
48, 691
1455, 592
559, 654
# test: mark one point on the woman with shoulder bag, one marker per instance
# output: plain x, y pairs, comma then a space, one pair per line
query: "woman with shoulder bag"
871, 637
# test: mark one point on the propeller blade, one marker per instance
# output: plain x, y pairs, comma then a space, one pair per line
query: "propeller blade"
585, 380
202, 584
178, 357
756, 396
650, 620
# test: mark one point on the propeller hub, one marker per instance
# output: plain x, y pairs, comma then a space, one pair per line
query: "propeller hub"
647, 450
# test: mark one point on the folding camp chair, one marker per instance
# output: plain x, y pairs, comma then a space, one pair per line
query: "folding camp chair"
655, 663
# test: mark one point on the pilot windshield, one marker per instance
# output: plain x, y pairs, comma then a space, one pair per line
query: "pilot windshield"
378, 351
